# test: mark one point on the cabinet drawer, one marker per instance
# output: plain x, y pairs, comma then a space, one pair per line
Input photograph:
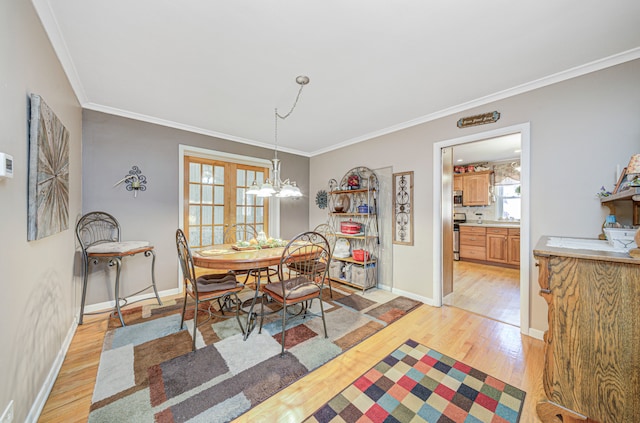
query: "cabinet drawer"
472, 229
473, 252
472, 239
514, 231
498, 231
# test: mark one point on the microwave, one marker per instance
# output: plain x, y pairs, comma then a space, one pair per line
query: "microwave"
457, 198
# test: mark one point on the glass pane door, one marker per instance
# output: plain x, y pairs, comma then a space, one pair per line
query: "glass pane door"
211, 206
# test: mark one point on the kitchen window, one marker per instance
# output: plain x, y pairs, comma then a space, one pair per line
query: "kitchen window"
508, 201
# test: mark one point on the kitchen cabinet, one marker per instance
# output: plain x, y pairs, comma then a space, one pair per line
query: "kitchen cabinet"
473, 240
475, 187
457, 182
497, 245
503, 246
591, 361
513, 247
353, 203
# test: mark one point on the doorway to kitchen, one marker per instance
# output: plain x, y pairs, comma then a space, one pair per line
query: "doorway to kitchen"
491, 277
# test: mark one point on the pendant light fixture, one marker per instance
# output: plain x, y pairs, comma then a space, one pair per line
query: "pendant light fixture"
275, 185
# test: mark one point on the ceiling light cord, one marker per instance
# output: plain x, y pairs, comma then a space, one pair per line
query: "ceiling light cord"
302, 80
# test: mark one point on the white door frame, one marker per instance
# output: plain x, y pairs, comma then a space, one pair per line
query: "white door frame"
525, 132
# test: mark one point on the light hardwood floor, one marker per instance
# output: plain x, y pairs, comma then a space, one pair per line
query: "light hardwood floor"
490, 291
488, 345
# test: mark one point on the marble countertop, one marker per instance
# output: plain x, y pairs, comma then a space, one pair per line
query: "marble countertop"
582, 248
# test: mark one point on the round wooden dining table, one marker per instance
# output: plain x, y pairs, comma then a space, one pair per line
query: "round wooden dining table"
226, 257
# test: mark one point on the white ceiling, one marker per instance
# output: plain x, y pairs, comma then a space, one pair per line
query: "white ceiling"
506, 147
221, 67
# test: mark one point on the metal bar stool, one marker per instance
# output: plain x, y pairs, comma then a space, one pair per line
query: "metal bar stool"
99, 237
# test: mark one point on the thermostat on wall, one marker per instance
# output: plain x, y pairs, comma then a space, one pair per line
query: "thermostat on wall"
6, 166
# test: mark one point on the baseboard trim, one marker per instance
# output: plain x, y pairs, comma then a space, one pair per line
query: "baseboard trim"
537, 334
413, 296
107, 305
45, 390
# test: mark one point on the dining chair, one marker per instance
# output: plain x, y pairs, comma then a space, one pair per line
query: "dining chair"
99, 234
246, 232
300, 279
223, 288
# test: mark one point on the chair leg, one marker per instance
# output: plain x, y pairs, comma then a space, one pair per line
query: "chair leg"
284, 326
118, 263
324, 323
238, 312
85, 277
195, 325
153, 274
262, 300
184, 309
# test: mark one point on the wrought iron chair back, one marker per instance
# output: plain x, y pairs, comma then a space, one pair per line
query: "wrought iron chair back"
303, 269
96, 228
225, 292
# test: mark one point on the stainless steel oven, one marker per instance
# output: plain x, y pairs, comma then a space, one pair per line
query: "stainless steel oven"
457, 219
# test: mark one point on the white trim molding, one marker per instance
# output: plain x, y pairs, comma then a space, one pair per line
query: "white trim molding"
525, 222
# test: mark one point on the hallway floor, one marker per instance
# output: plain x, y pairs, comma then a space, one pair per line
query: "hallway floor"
489, 291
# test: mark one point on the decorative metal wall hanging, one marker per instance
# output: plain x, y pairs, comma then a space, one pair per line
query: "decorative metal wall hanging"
48, 208
135, 181
403, 208
476, 120
321, 199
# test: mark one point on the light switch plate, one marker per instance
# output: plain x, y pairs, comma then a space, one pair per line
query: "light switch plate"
6, 171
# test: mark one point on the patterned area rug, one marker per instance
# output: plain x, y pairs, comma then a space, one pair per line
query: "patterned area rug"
417, 384
148, 372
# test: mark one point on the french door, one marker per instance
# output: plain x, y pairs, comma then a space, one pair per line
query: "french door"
215, 197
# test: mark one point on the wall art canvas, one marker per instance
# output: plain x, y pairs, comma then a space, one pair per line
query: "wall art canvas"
403, 208
48, 210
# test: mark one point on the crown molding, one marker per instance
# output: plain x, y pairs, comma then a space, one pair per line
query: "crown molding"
52, 30
575, 72
188, 128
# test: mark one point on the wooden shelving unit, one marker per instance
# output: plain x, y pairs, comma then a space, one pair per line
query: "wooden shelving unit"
629, 195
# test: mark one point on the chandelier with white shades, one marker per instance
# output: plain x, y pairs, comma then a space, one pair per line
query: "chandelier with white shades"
274, 185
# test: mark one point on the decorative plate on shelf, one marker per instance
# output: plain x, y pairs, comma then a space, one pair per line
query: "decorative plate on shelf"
342, 204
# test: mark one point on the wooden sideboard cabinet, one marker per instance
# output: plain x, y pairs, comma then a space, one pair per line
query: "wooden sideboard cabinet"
592, 347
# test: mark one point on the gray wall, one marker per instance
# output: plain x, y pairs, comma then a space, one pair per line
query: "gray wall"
580, 130
39, 295
112, 145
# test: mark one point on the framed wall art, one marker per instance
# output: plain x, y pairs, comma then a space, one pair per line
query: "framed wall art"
48, 208
403, 208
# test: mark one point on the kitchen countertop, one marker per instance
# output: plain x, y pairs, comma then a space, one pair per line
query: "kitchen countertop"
492, 224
